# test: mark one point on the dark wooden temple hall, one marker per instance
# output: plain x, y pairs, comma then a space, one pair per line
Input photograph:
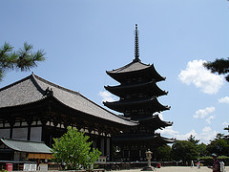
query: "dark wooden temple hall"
36, 110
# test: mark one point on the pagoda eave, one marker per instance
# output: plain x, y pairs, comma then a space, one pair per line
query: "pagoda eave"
122, 106
142, 138
154, 72
135, 69
154, 121
149, 87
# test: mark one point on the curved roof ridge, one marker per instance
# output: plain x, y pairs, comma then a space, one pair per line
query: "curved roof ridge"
78, 94
153, 98
167, 122
131, 122
153, 67
169, 140
129, 65
21, 92
34, 88
130, 86
156, 116
106, 109
16, 82
54, 85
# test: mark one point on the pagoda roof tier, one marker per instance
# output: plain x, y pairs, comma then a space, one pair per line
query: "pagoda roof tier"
151, 104
154, 122
142, 139
135, 69
34, 89
150, 88
226, 128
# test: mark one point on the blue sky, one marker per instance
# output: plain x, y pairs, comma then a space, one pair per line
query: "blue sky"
83, 39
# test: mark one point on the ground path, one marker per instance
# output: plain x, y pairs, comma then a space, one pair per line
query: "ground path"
174, 169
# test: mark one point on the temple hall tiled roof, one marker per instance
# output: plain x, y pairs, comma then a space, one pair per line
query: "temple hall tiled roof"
34, 88
27, 146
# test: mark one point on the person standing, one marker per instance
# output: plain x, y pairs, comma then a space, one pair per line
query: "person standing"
216, 164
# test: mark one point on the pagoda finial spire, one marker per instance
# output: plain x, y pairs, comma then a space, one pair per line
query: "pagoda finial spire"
136, 59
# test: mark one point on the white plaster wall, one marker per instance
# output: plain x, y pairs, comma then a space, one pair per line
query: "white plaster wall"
20, 133
5, 133
35, 134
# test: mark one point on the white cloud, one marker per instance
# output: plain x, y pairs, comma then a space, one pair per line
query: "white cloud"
106, 96
225, 123
202, 78
203, 113
209, 119
161, 116
224, 100
204, 136
169, 132
207, 134
187, 135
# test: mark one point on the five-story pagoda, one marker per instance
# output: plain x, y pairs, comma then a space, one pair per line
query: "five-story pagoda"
138, 93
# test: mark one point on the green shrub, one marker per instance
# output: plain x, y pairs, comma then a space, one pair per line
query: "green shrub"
3, 170
74, 150
207, 160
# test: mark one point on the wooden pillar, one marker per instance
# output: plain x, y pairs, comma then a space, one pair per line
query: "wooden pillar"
11, 122
108, 148
102, 145
110, 156
11, 132
29, 122
128, 155
105, 146
140, 155
98, 143
29, 132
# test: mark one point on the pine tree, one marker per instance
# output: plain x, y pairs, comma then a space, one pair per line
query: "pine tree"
220, 66
23, 59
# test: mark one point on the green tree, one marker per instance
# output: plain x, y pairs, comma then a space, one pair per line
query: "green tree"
220, 66
202, 149
23, 59
74, 149
184, 150
163, 153
219, 145
193, 140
